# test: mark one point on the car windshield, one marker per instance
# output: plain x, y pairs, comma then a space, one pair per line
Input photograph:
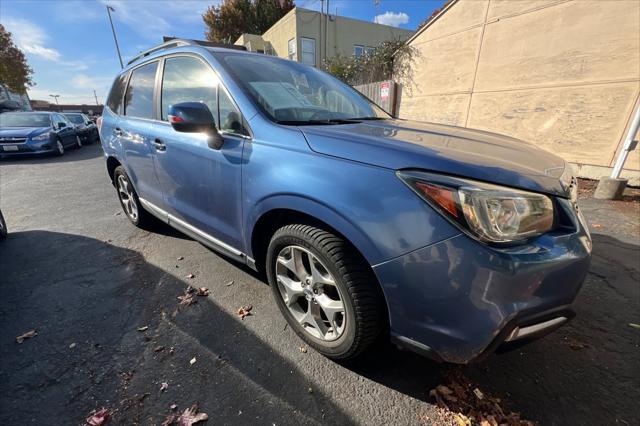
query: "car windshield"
293, 93
24, 119
75, 118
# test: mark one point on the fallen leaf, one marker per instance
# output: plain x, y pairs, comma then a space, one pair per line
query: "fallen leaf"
164, 386
596, 225
191, 276
303, 349
181, 258
98, 418
229, 283
193, 360
191, 416
158, 349
245, 311
145, 328
187, 299
478, 393
169, 420
173, 407
27, 335
71, 346
636, 326
203, 291
117, 213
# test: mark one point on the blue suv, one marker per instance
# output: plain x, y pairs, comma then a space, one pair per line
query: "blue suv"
450, 241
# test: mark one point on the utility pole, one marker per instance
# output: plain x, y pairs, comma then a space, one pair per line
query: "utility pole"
326, 32
113, 30
95, 96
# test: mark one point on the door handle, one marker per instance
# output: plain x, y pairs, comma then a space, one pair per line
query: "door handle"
117, 131
159, 145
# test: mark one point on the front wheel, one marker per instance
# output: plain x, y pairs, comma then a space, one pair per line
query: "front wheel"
326, 291
59, 148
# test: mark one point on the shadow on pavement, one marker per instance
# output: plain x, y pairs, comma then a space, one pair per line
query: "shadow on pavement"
86, 152
87, 299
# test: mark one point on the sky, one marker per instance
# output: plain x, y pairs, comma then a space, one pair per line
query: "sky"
70, 47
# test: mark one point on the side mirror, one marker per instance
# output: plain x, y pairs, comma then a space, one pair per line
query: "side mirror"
61, 125
195, 117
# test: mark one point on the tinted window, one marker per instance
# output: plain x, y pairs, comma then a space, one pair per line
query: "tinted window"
139, 97
60, 119
24, 120
75, 119
114, 102
188, 80
230, 118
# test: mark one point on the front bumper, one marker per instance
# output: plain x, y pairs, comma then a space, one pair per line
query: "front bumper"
27, 148
459, 300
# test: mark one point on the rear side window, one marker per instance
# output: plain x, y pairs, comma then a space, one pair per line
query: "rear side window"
188, 80
114, 102
139, 97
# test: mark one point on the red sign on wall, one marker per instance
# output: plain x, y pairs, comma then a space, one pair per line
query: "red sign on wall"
385, 87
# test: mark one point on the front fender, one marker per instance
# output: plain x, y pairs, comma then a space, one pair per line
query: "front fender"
319, 210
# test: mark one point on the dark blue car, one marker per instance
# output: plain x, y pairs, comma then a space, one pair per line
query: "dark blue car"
450, 241
28, 133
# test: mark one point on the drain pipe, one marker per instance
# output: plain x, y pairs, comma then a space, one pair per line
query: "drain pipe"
611, 188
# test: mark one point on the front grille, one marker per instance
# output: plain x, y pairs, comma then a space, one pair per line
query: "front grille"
13, 140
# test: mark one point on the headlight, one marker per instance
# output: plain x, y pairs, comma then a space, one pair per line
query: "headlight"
491, 213
41, 137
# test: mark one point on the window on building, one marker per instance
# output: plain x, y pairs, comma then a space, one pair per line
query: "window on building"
369, 51
138, 102
358, 50
292, 50
187, 79
309, 51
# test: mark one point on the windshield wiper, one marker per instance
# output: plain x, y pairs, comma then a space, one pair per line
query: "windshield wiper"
368, 118
315, 122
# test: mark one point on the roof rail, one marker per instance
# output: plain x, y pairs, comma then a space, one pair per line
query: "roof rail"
171, 42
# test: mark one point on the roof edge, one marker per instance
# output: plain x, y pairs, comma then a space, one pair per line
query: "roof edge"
428, 24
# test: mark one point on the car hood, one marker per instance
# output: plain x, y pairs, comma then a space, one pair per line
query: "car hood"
22, 132
474, 154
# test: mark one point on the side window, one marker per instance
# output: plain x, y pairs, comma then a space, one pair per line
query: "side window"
114, 102
230, 118
188, 79
61, 121
138, 101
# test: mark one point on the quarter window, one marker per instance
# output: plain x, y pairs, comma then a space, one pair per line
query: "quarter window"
292, 49
114, 102
309, 51
139, 96
188, 80
230, 118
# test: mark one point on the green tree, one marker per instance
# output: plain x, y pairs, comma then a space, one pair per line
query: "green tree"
227, 21
391, 60
15, 72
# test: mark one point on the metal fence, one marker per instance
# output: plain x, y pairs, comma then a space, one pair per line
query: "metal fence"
386, 94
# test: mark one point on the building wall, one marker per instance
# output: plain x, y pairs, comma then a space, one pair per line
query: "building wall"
564, 74
280, 34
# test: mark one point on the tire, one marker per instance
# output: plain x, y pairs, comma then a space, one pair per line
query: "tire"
3, 228
131, 205
78, 142
335, 261
59, 151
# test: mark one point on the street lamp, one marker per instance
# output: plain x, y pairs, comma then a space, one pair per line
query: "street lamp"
56, 98
113, 30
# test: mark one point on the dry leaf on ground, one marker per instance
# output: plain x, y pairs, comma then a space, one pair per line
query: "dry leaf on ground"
187, 299
191, 276
98, 418
191, 416
164, 386
203, 291
229, 283
245, 311
193, 360
180, 257
28, 335
145, 328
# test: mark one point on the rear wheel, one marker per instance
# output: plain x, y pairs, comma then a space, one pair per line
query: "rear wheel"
325, 290
129, 200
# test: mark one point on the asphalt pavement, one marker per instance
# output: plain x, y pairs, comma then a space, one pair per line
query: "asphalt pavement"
102, 297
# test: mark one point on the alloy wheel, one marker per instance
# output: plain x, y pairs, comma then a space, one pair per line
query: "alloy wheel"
310, 293
125, 192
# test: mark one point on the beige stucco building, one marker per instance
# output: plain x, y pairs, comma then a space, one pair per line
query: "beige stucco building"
564, 74
308, 36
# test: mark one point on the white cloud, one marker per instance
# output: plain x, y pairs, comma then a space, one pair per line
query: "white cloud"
392, 18
30, 38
